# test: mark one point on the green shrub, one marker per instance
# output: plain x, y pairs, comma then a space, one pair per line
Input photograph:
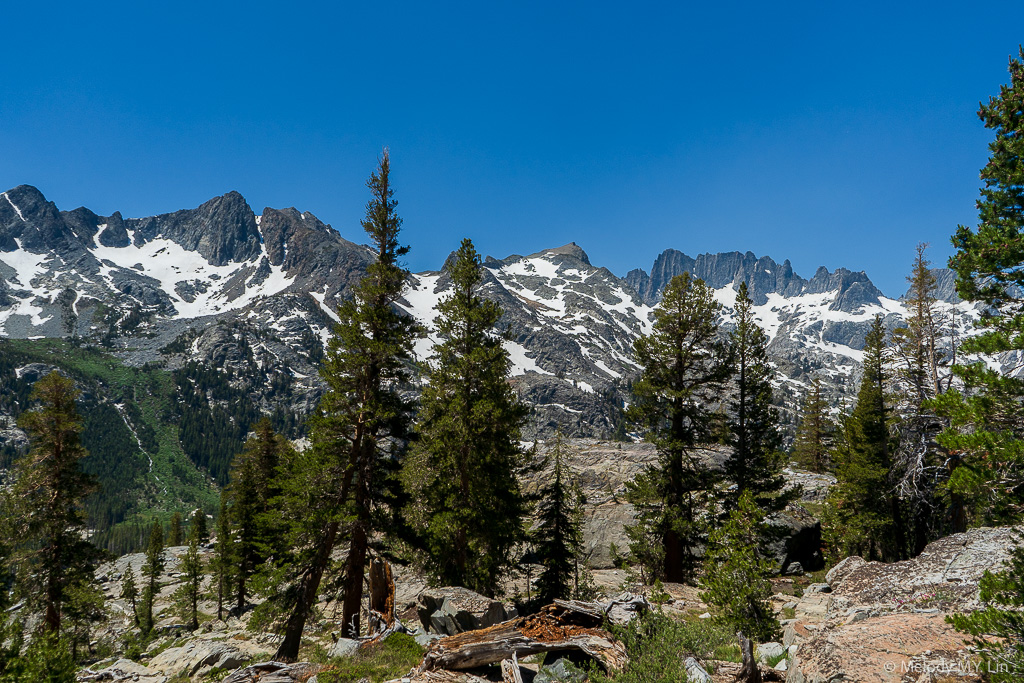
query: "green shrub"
658, 645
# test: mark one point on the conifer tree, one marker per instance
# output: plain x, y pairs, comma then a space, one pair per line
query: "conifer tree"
868, 516
984, 439
558, 536
919, 469
254, 484
816, 432
685, 366
755, 460
186, 596
130, 593
362, 422
224, 560
198, 522
174, 533
151, 570
462, 471
735, 578
46, 526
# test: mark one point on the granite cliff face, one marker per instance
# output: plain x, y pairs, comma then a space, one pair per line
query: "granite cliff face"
138, 285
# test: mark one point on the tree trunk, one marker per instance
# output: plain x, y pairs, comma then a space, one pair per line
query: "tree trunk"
749, 673
308, 589
382, 594
354, 572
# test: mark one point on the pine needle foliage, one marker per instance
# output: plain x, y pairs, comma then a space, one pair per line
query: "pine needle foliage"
686, 364
1002, 592
186, 597
755, 459
257, 531
816, 432
46, 526
986, 434
865, 516
349, 487
151, 570
558, 534
735, 579
462, 471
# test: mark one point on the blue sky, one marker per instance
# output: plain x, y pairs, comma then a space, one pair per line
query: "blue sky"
835, 134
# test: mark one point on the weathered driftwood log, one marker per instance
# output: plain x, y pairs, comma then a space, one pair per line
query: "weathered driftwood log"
554, 628
620, 610
274, 672
749, 673
510, 671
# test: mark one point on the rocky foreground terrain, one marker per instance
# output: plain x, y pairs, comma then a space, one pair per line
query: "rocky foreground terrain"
865, 622
860, 621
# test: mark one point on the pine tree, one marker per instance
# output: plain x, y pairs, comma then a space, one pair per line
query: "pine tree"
224, 560
755, 460
46, 527
816, 432
130, 593
685, 366
919, 468
558, 535
198, 522
362, 422
186, 597
735, 578
174, 533
868, 520
151, 571
254, 484
462, 471
984, 439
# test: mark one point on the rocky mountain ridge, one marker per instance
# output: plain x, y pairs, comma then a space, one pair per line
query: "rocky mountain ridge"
222, 285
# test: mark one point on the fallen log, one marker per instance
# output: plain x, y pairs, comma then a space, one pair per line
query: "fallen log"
620, 610
274, 672
546, 631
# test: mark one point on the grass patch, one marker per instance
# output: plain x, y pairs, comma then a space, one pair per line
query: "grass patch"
392, 658
658, 645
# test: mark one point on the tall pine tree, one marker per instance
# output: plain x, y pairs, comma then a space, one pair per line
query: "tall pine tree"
151, 570
816, 432
363, 419
685, 365
462, 471
558, 536
254, 484
47, 524
755, 460
986, 435
867, 518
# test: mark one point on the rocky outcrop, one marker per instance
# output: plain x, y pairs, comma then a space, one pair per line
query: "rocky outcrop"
889, 648
197, 657
886, 622
452, 610
945, 575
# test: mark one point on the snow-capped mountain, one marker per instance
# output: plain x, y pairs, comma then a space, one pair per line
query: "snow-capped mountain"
221, 284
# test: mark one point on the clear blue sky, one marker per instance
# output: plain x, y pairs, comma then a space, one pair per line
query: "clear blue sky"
836, 134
